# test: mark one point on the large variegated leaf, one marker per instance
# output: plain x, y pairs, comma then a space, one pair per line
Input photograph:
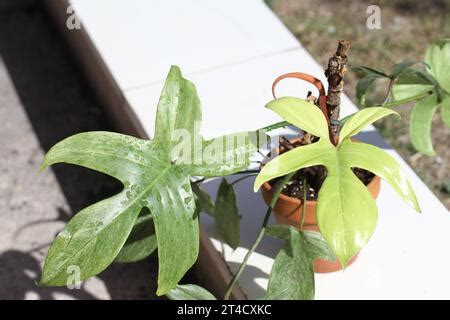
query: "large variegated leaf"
152, 178
189, 292
292, 274
142, 240
345, 220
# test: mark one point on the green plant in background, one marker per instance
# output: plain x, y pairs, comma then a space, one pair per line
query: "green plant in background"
428, 87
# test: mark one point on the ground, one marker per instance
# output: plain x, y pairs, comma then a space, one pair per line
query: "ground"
43, 99
407, 28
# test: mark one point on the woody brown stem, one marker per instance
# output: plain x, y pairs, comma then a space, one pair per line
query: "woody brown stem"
335, 74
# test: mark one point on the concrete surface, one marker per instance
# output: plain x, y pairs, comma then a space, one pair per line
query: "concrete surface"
44, 99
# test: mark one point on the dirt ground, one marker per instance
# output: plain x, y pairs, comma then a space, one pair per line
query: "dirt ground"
407, 27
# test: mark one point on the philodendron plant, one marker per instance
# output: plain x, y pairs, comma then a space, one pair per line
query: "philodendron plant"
429, 87
162, 196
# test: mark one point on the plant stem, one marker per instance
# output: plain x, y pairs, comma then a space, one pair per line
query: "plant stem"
305, 188
335, 73
276, 194
403, 101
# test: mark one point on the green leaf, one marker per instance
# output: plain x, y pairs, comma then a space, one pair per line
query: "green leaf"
178, 110
151, 177
369, 71
296, 111
203, 200
301, 157
220, 156
362, 119
438, 59
401, 67
362, 87
411, 83
345, 220
368, 157
420, 125
227, 215
445, 110
142, 240
189, 292
292, 274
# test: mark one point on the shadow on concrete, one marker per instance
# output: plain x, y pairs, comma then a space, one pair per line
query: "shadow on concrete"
59, 104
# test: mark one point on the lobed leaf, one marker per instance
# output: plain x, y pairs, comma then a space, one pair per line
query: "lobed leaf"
298, 158
141, 242
363, 118
302, 114
152, 179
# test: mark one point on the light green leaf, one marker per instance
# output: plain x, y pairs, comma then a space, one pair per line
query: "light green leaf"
346, 221
142, 240
420, 125
298, 158
204, 203
438, 59
151, 178
411, 83
302, 114
368, 157
445, 110
227, 215
189, 292
362, 119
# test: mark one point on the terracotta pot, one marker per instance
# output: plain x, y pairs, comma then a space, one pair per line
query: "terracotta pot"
288, 211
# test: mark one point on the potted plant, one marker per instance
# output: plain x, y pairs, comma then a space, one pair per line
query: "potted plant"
162, 197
